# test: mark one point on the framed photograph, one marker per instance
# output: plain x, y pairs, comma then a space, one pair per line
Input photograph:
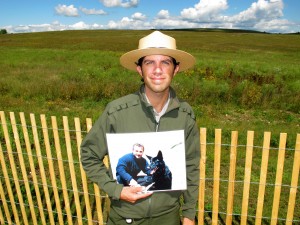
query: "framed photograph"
155, 160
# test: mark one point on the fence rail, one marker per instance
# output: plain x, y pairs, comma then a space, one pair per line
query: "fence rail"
42, 181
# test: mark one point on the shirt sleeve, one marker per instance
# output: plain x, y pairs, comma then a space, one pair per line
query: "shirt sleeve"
190, 196
93, 150
122, 169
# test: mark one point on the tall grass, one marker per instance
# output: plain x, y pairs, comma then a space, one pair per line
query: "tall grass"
241, 80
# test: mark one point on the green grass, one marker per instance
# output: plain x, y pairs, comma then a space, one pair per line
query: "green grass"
241, 81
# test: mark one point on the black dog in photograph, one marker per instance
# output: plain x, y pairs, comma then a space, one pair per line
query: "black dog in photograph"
162, 177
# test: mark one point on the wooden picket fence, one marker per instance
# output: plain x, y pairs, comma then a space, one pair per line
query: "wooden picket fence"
42, 181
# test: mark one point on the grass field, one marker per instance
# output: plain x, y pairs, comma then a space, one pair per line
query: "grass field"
242, 80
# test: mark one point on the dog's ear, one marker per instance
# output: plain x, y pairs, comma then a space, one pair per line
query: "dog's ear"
159, 155
149, 157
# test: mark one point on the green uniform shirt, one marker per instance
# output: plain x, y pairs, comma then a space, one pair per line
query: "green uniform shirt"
133, 114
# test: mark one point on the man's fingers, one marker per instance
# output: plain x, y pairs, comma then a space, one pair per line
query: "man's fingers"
140, 195
132, 194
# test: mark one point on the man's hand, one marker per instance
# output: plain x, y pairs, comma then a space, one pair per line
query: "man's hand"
187, 221
132, 194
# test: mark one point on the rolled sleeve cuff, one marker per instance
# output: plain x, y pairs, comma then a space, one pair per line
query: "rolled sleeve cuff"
117, 192
190, 213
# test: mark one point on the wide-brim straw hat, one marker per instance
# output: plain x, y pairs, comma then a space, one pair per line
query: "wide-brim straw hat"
157, 43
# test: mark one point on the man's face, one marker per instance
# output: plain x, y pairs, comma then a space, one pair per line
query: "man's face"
158, 72
138, 151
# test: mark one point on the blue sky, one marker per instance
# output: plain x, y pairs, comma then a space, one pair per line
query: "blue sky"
275, 16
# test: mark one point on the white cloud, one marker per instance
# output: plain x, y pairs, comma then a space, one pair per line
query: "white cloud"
92, 11
136, 21
66, 10
128, 23
173, 23
277, 25
262, 15
36, 27
262, 10
205, 10
80, 26
97, 26
55, 26
138, 16
163, 14
120, 3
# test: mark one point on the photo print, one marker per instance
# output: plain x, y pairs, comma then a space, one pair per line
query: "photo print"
155, 160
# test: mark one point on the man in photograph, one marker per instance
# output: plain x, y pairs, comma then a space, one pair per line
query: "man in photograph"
130, 165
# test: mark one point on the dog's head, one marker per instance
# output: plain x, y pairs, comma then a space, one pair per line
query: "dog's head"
158, 163
162, 175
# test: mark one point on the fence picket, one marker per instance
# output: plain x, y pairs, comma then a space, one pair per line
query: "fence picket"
278, 181
51, 168
41, 167
3, 199
1, 214
247, 179
83, 175
32, 168
72, 168
8, 188
96, 187
14, 172
22, 165
294, 182
202, 176
217, 168
232, 168
263, 178
61, 170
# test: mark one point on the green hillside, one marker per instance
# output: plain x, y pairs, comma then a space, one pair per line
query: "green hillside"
243, 80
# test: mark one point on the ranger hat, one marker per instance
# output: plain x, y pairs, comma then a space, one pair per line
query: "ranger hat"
157, 43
